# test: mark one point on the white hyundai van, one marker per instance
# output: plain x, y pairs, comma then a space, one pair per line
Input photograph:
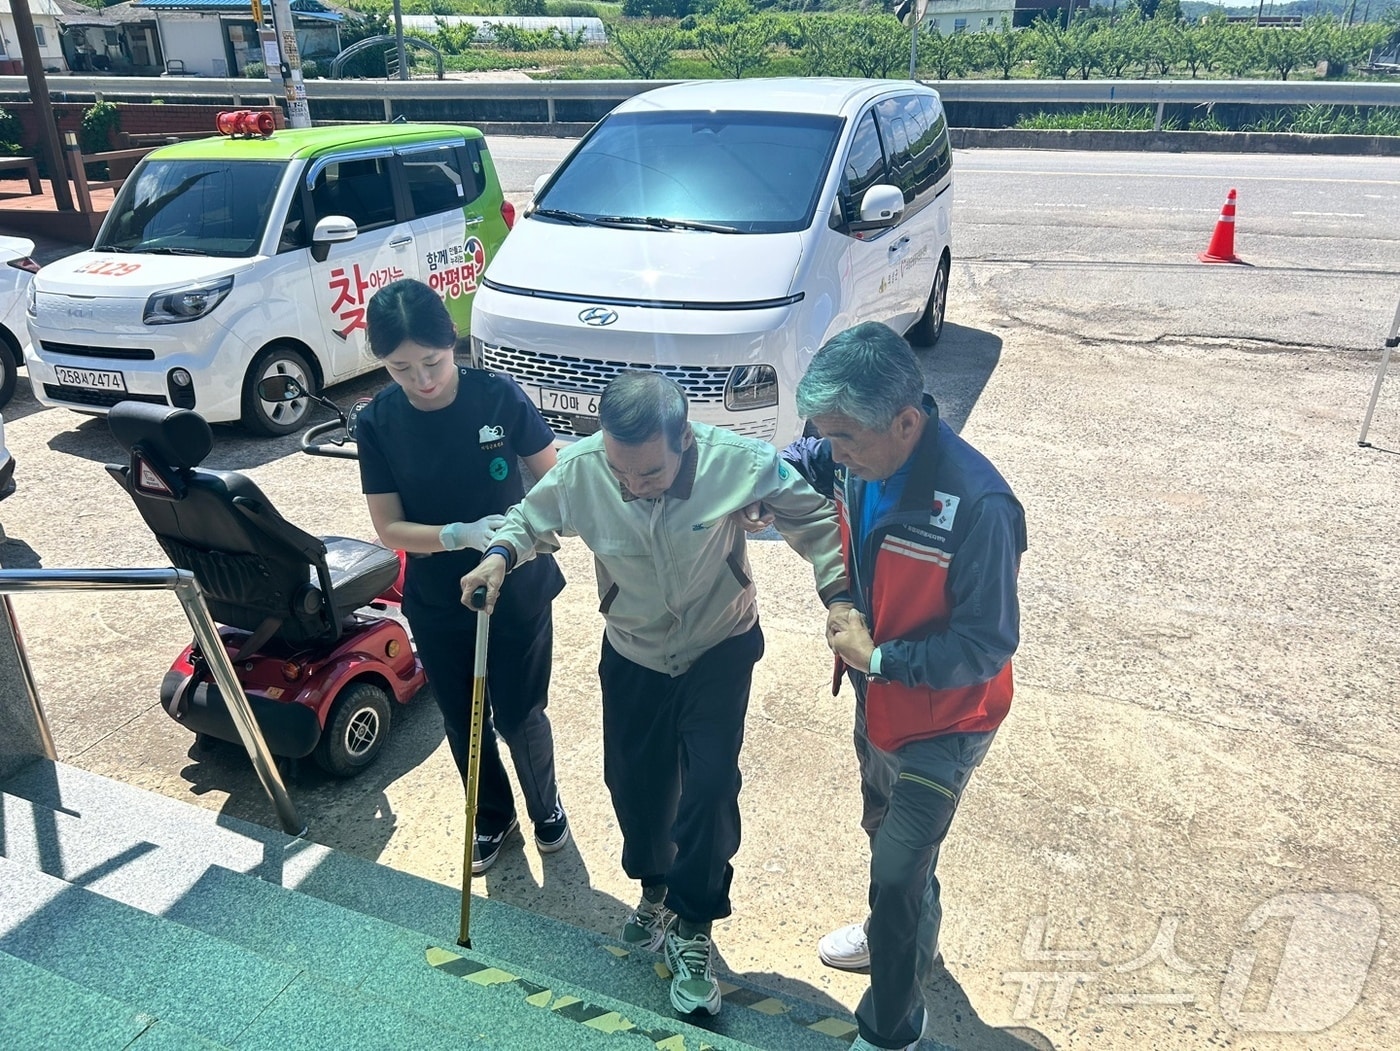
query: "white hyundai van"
720, 232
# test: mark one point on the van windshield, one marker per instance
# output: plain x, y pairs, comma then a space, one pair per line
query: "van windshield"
190, 207
750, 172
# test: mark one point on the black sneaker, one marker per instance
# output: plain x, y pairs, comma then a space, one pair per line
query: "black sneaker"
552, 833
487, 849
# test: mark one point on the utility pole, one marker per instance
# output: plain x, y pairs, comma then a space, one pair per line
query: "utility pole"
398, 39
43, 107
298, 113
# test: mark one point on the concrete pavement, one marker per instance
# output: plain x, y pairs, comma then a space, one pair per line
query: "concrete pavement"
1184, 834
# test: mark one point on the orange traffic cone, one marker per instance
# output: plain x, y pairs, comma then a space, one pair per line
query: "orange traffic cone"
1222, 242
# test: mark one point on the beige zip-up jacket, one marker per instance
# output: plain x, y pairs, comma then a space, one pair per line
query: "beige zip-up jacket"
673, 572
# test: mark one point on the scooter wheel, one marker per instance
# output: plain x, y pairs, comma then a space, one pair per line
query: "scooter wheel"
355, 732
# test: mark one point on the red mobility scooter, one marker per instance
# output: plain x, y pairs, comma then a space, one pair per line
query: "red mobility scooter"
319, 672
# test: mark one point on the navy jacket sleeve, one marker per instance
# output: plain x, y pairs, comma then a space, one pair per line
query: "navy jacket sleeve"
376, 476
812, 458
984, 628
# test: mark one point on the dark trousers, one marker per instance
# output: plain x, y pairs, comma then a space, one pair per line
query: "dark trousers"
671, 761
518, 659
910, 797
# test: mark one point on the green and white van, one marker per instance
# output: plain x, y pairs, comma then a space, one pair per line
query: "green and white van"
228, 259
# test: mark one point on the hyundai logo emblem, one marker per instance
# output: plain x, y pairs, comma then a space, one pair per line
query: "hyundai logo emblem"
597, 316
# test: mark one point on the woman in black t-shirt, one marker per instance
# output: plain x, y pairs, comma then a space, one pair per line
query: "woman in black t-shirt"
439, 454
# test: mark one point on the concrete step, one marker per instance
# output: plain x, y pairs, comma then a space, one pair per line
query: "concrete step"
224, 993
172, 973
315, 937
40, 1009
569, 955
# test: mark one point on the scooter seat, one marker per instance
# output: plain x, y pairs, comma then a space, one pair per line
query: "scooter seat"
360, 572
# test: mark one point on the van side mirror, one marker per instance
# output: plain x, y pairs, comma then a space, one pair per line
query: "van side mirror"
333, 229
880, 208
539, 185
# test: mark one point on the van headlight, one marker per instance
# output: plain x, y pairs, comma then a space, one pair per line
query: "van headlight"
177, 305
31, 301
751, 387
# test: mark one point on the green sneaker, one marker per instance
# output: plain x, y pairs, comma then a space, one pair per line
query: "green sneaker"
647, 926
693, 985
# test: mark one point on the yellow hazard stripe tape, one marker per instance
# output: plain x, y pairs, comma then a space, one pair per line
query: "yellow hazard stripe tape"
604, 1020
564, 1006
840, 1028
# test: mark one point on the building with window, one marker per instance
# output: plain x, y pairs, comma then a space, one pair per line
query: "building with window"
218, 38
967, 16
46, 15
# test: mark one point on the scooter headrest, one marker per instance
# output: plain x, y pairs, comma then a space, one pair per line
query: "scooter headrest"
179, 438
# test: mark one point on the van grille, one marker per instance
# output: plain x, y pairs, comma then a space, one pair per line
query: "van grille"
103, 399
570, 426
79, 350
763, 430
701, 383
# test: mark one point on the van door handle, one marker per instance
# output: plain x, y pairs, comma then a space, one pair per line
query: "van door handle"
899, 244
475, 220
401, 242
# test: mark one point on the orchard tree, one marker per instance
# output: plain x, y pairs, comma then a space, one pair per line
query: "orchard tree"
644, 49
826, 46
1082, 46
1163, 45
1198, 48
1050, 48
1003, 49
1282, 49
881, 46
1238, 51
1120, 45
733, 40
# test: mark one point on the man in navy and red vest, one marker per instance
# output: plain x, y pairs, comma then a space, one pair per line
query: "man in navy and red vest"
932, 537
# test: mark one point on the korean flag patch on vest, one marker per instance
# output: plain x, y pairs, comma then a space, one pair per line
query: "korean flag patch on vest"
945, 509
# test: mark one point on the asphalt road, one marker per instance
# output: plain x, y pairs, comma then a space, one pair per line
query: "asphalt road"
1104, 245
1204, 740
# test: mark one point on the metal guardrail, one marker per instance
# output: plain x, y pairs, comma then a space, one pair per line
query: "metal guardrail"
1142, 92
186, 588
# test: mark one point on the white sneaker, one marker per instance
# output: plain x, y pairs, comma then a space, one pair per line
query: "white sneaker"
861, 1044
846, 949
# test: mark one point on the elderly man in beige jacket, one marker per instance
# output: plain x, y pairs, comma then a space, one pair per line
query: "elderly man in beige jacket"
662, 503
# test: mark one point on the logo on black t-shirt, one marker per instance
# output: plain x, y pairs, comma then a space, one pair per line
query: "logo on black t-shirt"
499, 469
492, 437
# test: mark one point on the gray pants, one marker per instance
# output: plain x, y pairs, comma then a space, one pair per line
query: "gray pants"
909, 798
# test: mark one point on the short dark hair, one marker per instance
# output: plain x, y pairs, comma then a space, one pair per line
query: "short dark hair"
407, 310
867, 373
637, 406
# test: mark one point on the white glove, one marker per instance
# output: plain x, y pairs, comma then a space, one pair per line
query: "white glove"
476, 535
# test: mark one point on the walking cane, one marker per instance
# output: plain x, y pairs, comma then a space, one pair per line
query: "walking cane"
483, 626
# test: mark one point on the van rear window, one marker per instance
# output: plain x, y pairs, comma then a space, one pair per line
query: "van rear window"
756, 172
190, 207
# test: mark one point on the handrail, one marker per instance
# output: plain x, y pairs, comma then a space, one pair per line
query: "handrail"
1259, 92
186, 588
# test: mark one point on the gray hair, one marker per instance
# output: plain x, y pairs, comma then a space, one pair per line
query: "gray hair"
867, 373
637, 406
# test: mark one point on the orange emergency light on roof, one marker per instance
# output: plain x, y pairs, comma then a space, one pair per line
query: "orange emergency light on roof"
244, 123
